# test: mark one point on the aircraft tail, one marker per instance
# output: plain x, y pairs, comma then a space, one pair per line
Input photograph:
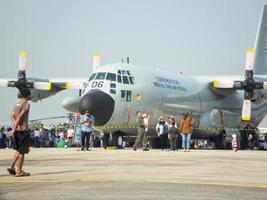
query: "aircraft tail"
260, 65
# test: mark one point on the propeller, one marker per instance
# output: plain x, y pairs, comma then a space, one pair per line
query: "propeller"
96, 61
249, 85
22, 81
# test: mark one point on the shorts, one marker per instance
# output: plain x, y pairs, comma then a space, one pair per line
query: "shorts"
21, 141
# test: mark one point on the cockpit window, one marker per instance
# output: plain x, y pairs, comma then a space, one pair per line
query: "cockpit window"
122, 76
131, 79
119, 78
92, 77
100, 76
125, 80
111, 77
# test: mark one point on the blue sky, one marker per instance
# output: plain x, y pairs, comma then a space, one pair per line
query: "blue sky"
207, 37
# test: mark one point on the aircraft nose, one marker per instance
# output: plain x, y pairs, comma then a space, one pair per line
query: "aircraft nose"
99, 104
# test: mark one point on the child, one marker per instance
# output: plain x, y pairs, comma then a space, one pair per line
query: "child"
146, 118
234, 143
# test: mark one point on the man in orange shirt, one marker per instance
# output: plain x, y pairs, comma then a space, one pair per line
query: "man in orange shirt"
186, 131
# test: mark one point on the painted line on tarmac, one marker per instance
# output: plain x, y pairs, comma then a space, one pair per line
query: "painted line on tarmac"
123, 181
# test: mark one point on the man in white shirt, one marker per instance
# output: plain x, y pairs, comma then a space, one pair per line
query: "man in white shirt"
162, 131
36, 136
70, 134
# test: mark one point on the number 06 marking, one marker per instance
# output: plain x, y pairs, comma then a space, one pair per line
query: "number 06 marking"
97, 84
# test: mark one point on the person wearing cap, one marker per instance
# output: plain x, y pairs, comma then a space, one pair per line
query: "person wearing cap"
186, 131
20, 132
87, 121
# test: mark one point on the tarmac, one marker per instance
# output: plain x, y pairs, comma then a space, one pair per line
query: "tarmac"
126, 174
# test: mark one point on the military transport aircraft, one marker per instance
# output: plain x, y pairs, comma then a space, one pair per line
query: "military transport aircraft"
114, 93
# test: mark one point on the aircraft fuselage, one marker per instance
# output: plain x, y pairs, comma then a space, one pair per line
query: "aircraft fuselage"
132, 88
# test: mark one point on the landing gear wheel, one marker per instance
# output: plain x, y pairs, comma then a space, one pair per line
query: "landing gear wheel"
118, 141
243, 140
219, 141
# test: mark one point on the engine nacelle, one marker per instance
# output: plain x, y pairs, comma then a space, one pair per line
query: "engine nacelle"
71, 104
37, 95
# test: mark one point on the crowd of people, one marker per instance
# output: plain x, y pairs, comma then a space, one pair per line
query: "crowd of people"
166, 130
169, 133
50, 137
41, 136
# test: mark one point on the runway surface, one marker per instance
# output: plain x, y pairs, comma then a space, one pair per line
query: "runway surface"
126, 174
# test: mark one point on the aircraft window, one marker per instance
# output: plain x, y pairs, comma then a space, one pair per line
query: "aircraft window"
125, 80
92, 77
111, 77
123, 72
128, 72
100, 76
122, 93
129, 96
119, 78
112, 85
119, 71
112, 91
131, 79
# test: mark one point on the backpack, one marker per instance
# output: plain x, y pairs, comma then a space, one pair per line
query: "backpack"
165, 129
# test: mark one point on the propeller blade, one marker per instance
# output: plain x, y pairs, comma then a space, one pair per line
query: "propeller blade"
246, 110
96, 61
223, 83
4, 83
42, 85
22, 61
74, 85
250, 59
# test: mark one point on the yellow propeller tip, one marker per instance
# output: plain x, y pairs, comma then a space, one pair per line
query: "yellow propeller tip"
49, 86
67, 86
251, 50
214, 83
245, 118
97, 54
23, 53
